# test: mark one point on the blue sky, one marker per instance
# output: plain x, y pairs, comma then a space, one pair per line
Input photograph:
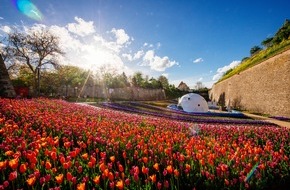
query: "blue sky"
185, 40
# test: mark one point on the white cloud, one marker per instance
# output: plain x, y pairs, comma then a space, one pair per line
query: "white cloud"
138, 55
165, 74
5, 29
88, 49
148, 45
157, 63
198, 60
1, 18
133, 57
121, 36
127, 56
81, 28
222, 70
158, 45
200, 79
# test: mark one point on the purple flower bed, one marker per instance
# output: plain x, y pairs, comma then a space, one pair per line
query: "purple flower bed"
281, 118
197, 118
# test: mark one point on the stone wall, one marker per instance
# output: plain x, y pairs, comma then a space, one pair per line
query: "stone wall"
264, 88
129, 93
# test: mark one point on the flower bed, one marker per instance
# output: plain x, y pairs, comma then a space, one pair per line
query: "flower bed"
182, 116
54, 144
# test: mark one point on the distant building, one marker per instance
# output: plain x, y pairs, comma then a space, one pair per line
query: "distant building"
183, 87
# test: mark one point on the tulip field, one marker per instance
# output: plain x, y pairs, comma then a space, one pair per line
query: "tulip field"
54, 144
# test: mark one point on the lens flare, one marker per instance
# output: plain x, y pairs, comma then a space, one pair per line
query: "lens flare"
29, 9
250, 174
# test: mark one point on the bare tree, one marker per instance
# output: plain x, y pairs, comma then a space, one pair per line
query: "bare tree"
33, 49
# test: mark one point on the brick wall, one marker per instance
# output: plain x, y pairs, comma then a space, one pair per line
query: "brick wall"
264, 88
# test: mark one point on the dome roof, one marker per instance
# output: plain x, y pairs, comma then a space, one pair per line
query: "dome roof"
193, 103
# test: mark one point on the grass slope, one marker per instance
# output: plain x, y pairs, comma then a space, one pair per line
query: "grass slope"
258, 58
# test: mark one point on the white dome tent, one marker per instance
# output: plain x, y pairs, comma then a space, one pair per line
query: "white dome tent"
193, 103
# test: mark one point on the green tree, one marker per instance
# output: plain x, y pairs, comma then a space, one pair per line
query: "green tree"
24, 77
123, 79
137, 79
72, 77
33, 49
268, 42
244, 59
164, 82
155, 84
255, 50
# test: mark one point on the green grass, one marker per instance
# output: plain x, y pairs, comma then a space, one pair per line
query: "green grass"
258, 58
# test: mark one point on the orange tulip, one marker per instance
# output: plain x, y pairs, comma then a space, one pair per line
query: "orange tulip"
176, 173
13, 163
96, 180
153, 178
169, 169
102, 167
145, 160
9, 153
120, 184
3, 165
112, 158
54, 170
59, 178
31, 181
85, 156
106, 172
81, 186
187, 166
156, 166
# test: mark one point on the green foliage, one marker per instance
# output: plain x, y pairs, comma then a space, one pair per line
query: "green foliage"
274, 45
255, 50
268, 42
283, 33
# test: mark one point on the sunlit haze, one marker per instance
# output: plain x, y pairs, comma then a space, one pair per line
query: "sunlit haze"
183, 40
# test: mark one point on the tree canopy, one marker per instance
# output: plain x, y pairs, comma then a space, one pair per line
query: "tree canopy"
32, 49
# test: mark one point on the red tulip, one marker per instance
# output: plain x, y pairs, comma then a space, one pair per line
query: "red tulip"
12, 176
22, 168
